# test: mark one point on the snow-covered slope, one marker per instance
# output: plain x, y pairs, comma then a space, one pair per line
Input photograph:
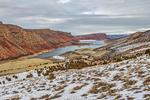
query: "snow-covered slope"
128, 79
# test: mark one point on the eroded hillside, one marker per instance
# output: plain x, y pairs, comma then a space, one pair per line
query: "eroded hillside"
117, 50
16, 41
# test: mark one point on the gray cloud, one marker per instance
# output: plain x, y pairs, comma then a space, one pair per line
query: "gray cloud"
78, 16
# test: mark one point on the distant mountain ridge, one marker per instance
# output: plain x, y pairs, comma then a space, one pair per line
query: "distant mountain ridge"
117, 36
99, 36
16, 41
94, 36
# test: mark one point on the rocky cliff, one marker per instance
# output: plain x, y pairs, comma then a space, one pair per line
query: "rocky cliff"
16, 41
95, 36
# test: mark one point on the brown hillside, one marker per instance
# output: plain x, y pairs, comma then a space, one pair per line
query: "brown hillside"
16, 41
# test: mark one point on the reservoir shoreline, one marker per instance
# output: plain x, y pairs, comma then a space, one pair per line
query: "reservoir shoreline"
92, 44
47, 51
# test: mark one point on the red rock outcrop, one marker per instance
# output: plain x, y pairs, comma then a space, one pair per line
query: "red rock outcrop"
16, 41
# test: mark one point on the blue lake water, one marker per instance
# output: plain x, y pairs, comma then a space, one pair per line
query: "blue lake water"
93, 44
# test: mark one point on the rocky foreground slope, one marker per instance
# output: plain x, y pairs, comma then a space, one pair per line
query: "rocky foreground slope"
126, 80
16, 41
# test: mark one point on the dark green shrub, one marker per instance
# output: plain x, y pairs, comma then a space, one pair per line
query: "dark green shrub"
47, 72
50, 76
8, 79
29, 76
147, 51
14, 76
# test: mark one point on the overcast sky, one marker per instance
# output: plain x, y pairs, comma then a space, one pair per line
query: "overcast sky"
78, 16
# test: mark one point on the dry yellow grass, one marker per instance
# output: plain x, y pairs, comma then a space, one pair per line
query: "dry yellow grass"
16, 66
100, 53
83, 52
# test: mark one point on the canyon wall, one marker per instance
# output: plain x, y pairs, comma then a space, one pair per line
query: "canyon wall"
16, 41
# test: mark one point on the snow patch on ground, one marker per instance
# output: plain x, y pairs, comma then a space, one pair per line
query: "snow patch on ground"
123, 80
